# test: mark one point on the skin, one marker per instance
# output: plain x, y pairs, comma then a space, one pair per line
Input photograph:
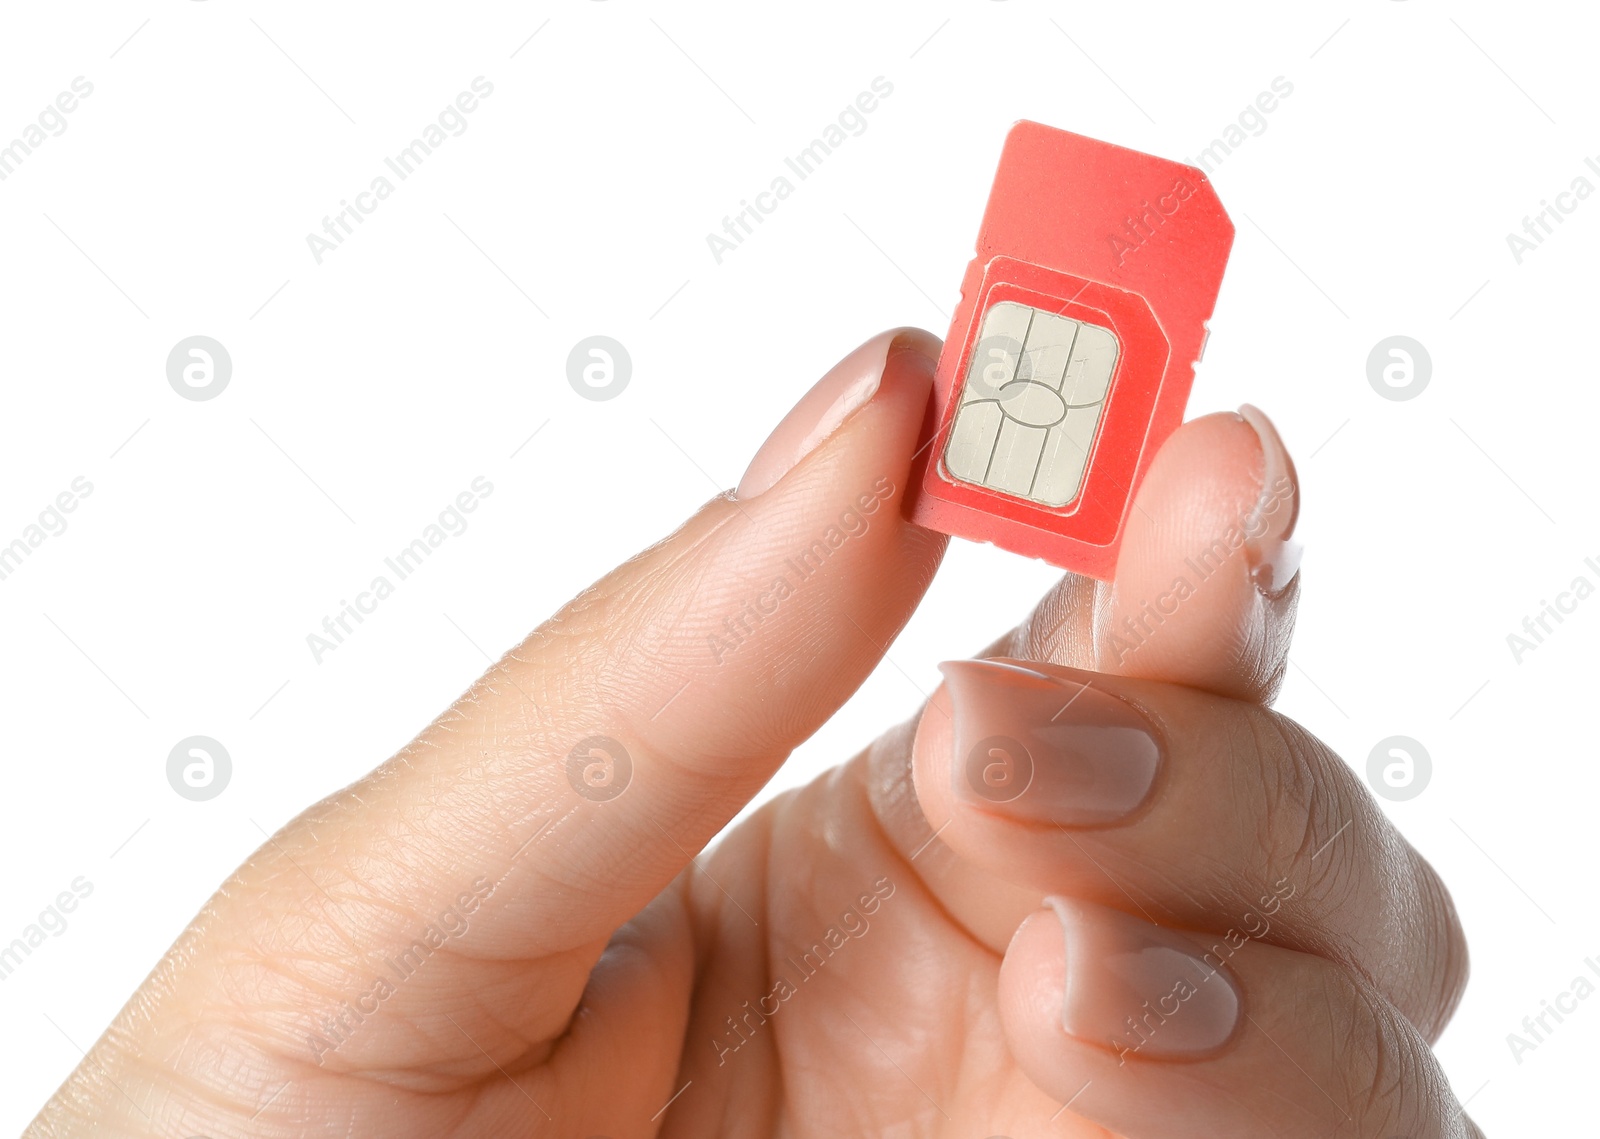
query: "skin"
589, 955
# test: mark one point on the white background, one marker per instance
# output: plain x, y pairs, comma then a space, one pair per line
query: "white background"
369, 390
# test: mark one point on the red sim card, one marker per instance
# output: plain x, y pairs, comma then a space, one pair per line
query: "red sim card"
1071, 354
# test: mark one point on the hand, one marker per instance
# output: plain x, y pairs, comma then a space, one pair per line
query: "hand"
508, 929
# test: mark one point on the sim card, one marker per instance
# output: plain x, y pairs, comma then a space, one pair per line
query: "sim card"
1072, 351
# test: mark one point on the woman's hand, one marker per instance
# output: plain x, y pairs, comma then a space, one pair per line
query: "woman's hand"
509, 929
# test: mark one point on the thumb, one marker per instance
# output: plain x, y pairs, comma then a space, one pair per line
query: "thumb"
1207, 579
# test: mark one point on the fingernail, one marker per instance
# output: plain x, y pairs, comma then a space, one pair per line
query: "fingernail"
1038, 749
848, 386
1274, 557
1139, 989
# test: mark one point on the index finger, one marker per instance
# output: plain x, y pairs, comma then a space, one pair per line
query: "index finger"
575, 780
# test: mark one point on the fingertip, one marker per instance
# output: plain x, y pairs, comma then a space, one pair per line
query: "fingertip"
931, 749
895, 366
1274, 555
1205, 583
1033, 982
1032, 992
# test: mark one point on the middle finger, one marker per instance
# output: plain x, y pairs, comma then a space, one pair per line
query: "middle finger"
1187, 809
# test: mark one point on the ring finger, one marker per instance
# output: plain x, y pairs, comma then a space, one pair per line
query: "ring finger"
1120, 1020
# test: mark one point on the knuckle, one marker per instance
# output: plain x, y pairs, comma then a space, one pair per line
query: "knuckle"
1442, 982
1363, 1049
1361, 894
1308, 822
1285, 782
1388, 1080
